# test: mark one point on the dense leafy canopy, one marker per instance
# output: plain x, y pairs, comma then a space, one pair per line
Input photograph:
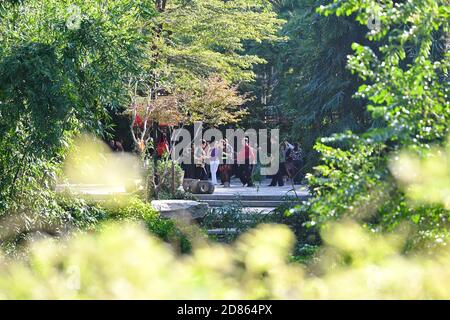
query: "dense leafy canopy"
204, 37
365, 83
61, 68
198, 58
67, 66
407, 84
306, 87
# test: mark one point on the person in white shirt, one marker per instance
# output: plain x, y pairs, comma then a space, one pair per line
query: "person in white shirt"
214, 153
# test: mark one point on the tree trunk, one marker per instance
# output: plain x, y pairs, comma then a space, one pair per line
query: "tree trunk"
155, 160
173, 178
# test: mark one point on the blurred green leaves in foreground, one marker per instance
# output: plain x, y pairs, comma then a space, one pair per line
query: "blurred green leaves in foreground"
425, 179
123, 261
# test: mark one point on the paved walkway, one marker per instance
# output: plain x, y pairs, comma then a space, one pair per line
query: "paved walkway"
259, 198
92, 189
259, 190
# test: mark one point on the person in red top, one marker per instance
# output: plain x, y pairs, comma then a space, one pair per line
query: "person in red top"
246, 159
163, 147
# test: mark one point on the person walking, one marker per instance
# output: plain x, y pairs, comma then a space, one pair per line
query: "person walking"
297, 155
200, 161
278, 178
225, 166
214, 162
246, 158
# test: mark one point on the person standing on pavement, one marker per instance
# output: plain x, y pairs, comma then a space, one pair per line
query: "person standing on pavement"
200, 157
214, 153
278, 178
246, 158
225, 166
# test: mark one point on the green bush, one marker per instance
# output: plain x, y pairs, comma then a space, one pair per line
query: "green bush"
138, 210
404, 68
163, 179
56, 79
124, 262
234, 222
80, 214
179, 195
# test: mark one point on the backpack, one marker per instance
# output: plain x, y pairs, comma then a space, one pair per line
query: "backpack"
296, 155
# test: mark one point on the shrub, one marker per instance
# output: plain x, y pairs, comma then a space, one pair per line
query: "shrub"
80, 213
100, 266
179, 195
406, 91
70, 214
134, 209
234, 221
163, 181
55, 81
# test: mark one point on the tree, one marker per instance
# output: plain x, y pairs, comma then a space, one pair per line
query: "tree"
306, 89
198, 58
63, 65
198, 54
215, 102
204, 37
407, 85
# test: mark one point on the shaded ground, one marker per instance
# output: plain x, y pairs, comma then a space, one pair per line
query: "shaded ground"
260, 198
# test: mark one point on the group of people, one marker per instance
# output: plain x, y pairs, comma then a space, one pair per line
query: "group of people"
218, 156
116, 145
210, 158
290, 158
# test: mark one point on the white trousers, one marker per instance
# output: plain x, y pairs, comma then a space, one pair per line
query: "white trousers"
214, 165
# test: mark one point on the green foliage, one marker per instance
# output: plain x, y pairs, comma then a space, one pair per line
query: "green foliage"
425, 178
198, 60
204, 37
69, 213
137, 210
233, 221
79, 214
162, 181
306, 89
406, 82
306, 235
62, 66
124, 262
215, 103
179, 195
